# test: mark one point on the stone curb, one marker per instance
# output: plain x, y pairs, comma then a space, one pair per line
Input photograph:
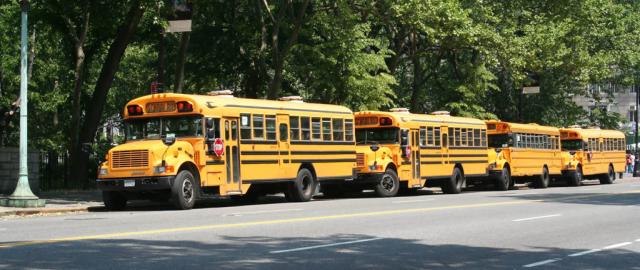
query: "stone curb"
31, 212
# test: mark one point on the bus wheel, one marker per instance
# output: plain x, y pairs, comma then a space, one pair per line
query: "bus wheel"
388, 185
114, 200
454, 185
303, 188
543, 180
608, 178
183, 192
576, 178
504, 181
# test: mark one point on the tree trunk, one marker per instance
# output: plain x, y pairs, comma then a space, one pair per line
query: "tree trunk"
417, 74
182, 56
103, 84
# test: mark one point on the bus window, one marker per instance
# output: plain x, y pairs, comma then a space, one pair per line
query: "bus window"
457, 134
316, 132
348, 130
377, 135
423, 136
271, 127
500, 140
283, 133
451, 137
305, 128
245, 126
326, 129
483, 135
338, 130
429, 136
476, 137
436, 133
258, 126
294, 123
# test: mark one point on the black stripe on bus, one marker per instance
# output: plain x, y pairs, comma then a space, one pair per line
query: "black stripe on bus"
266, 161
258, 153
469, 161
406, 163
430, 162
445, 123
430, 147
467, 147
323, 160
452, 155
322, 152
284, 109
323, 143
245, 141
431, 155
215, 162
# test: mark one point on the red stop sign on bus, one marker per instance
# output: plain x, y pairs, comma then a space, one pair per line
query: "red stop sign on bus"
218, 147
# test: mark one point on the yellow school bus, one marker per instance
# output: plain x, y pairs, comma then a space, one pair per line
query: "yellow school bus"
524, 153
592, 154
179, 147
401, 150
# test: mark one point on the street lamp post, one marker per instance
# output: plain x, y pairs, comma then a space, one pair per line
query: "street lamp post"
635, 142
23, 196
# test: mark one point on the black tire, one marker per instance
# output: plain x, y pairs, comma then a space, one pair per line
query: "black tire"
503, 182
454, 184
303, 188
184, 190
543, 180
114, 200
388, 185
576, 178
608, 178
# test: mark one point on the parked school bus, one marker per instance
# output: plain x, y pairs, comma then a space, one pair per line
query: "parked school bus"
398, 149
179, 147
592, 154
524, 153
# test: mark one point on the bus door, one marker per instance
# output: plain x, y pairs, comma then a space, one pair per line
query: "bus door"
415, 159
232, 154
284, 148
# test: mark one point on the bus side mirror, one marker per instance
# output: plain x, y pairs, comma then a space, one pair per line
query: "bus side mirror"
169, 139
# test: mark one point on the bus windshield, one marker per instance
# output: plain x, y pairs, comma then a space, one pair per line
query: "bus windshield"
572, 145
500, 140
156, 128
377, 135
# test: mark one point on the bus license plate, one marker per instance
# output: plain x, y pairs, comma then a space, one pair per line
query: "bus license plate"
129, 183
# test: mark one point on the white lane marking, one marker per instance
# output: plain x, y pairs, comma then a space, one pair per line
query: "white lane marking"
638, 240
541, 263
539, 217
585, 252
413, 201
3, 229
593, 188
617, 245
262, 212
323, 246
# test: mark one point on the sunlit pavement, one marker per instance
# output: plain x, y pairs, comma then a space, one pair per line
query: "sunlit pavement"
588, 227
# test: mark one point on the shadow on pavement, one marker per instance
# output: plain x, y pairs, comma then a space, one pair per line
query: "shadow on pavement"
255, 253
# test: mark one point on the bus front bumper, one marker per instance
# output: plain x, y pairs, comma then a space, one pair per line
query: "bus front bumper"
136, 183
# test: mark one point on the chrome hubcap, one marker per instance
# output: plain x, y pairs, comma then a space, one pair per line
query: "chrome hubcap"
187, 191
387, 183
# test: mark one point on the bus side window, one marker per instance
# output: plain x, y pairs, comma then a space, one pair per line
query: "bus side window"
295, 127
245, 126
348, 130
284, 133
436, 132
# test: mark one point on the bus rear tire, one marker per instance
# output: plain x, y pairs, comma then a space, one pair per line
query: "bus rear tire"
576, 178
543, 180
114, 200
608, 178
388, 185
454, 184
303, 188
183, 192
503, 182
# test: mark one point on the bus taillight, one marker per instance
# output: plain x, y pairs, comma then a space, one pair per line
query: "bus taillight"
184, 106
385, 121
134, 110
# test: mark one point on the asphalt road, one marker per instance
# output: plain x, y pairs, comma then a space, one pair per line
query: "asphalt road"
589, 227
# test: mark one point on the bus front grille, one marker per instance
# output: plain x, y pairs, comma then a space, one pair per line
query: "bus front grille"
360, 160
130, 159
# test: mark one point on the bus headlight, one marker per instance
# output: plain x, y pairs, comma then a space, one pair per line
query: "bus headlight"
163, 169
103, 171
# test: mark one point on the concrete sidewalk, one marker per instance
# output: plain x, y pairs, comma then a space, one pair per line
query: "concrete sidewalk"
58, 202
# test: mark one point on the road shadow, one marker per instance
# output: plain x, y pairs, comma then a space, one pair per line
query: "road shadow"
591, 198
257, 253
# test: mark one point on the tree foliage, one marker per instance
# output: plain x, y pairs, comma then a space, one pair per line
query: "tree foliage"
470, 57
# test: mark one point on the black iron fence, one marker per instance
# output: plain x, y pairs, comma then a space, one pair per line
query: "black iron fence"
55, 173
